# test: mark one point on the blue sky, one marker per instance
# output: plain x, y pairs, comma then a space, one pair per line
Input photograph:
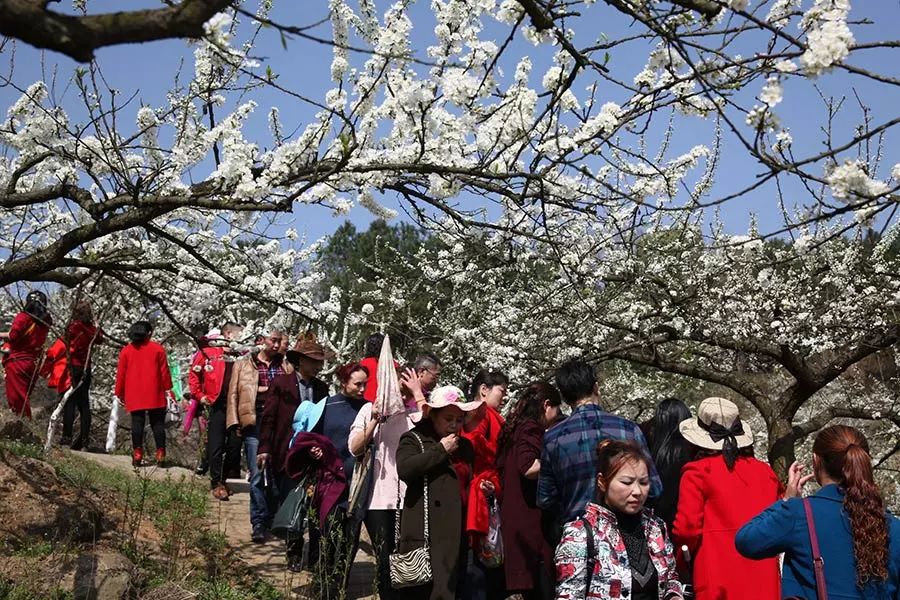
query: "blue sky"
304, 66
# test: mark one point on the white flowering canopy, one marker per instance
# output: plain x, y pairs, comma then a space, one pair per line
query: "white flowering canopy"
587, 167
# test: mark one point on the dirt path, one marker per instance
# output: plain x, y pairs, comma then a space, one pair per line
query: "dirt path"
233, 519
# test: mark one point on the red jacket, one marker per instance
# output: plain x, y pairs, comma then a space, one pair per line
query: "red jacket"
55, 367
713, 503
143, 377
371, 364
484, 440
26, 337
80, 337
207, 374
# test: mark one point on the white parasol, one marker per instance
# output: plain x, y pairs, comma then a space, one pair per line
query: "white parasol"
388, 402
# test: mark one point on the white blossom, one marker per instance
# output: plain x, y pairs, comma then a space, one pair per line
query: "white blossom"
772, 92
851, 180
553, 78
828, 37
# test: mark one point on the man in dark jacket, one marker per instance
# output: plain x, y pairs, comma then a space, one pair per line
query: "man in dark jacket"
301, 384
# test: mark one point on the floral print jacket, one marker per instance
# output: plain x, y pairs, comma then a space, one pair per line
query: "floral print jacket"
612, 574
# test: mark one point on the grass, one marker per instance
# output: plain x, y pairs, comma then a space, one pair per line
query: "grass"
38, 549
25, 591
179, 510
189, 551
23, 449
18, 591
223, 590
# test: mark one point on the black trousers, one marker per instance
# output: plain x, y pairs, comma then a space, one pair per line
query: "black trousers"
544, 584
380, 526
157, 424
478, 582
329, 556
80, 401
231, 465
295, 545
220, 445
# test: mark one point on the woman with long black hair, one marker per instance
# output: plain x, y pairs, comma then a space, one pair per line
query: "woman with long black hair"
81, 335
670, 452
528, 560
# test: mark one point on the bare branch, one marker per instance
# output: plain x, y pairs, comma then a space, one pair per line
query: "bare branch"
78, 37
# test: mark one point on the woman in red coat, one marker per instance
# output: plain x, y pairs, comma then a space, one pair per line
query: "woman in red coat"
720, 492
489, 387
26, 338
80, 338
142, 381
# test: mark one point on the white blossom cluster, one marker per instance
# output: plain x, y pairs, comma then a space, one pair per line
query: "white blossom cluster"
828, 37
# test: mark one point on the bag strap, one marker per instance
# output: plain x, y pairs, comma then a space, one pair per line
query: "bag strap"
818, 561
591, 555
398, 514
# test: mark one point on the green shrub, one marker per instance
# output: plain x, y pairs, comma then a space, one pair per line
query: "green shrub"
20, 448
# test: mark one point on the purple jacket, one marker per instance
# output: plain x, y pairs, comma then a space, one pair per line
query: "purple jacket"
330, 477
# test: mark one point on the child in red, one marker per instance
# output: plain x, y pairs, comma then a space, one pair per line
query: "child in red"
142, 381
26, 338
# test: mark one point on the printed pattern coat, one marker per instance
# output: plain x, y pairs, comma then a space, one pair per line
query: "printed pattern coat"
611, 578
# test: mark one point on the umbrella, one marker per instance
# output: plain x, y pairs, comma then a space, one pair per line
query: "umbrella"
388, 402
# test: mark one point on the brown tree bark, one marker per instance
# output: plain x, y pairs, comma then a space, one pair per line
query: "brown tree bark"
80, 36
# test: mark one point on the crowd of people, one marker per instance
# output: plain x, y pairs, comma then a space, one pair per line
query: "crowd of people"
466, 498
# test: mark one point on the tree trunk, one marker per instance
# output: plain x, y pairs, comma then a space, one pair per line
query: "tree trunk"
781, 446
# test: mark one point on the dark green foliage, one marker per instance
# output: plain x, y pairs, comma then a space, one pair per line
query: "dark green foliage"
357, 262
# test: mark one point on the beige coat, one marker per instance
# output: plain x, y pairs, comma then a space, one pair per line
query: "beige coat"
242, 391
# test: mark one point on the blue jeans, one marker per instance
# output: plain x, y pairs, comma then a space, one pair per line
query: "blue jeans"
259, 508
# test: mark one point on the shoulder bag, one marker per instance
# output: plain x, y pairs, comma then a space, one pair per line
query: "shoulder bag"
413, 568
591, 556
818, 561
292, 517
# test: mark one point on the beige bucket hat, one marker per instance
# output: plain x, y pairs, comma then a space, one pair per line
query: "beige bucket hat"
718, 419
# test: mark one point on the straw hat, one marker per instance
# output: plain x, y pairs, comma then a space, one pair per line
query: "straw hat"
717, 420
306, 345
449, 395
